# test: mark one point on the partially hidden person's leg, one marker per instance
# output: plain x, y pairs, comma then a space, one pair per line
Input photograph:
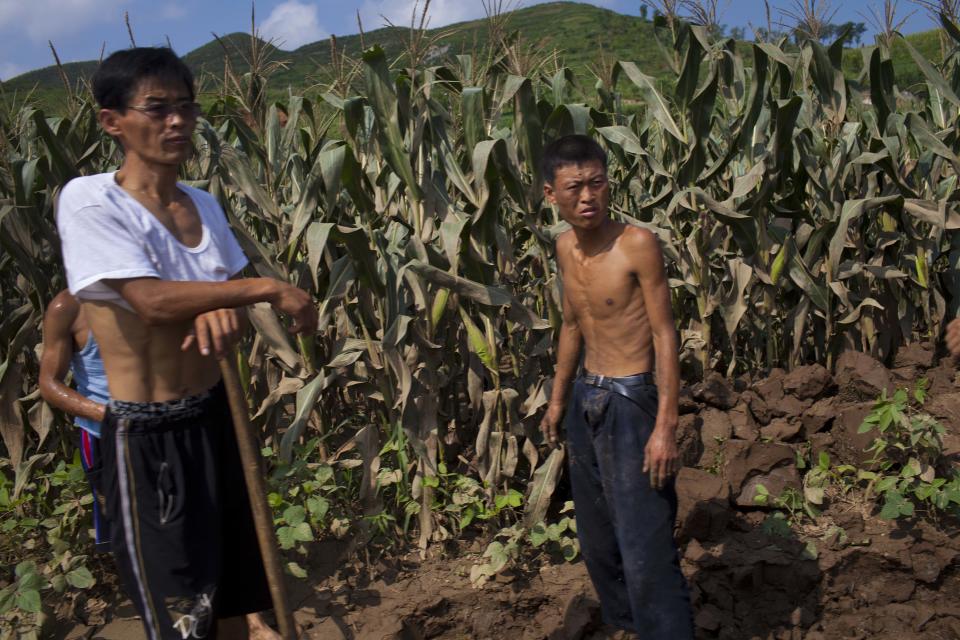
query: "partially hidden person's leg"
92, 463
244, 590
643, 521
594, 526
166, 522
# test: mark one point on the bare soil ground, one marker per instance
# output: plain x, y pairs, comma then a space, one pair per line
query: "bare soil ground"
848, 574
903, 584
408, 598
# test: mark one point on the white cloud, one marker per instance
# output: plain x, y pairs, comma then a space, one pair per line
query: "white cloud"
373, 13
43, 20
9, 70
399, 12
173, 11
293, 24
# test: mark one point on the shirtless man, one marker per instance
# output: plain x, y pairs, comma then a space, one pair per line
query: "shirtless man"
69, 345
157, 269
620, 419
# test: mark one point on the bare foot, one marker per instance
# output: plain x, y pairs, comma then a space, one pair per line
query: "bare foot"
259, 630
607, 632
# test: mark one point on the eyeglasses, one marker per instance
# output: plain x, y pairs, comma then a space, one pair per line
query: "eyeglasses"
186, 109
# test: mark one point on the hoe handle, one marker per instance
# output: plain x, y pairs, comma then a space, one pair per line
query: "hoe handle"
256, 489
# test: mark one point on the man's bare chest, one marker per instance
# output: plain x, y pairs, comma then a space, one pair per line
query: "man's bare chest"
601, 289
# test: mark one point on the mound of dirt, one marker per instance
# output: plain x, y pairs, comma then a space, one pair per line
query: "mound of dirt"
849, 574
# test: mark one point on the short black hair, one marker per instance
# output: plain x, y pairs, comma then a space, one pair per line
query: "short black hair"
117, 77
572, 149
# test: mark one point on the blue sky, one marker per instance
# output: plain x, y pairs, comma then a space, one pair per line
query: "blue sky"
79, 28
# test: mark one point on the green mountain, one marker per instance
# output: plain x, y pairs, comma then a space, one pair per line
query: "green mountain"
582, 35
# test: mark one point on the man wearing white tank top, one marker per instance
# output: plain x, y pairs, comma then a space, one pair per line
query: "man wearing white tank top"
157, 271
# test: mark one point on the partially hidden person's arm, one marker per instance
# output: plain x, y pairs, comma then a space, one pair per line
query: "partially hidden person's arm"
55, 362
662, 458
568, 356
953, 337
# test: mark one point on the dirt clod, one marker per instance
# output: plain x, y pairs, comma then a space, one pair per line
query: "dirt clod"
789, 407
860, 377
819, 416
745, 459
744, 425
775, 481
758, 405
850, 444
781, 430
917, 354
716, 428
715, 391
809, 382
688, 439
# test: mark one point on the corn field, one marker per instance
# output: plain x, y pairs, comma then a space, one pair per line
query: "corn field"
801, 213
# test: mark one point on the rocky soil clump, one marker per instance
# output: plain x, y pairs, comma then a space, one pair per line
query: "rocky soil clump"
755, 573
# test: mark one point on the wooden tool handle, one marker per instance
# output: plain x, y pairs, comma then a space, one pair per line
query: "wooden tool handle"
257, 490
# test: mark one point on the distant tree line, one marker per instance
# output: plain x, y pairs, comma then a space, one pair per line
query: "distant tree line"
705, 13
828, 32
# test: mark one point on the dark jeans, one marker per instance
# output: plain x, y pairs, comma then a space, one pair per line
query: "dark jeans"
625, 526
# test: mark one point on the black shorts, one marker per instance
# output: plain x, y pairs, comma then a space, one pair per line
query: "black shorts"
182, 530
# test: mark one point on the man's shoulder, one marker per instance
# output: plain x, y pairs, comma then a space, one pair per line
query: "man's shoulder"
207, 206
85, 191
640, 248
637, 238
195, 193
565, 240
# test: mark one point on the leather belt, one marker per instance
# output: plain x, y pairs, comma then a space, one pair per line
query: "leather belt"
626, 386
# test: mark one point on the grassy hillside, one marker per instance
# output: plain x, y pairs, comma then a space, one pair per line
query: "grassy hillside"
210, 57
580, 34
